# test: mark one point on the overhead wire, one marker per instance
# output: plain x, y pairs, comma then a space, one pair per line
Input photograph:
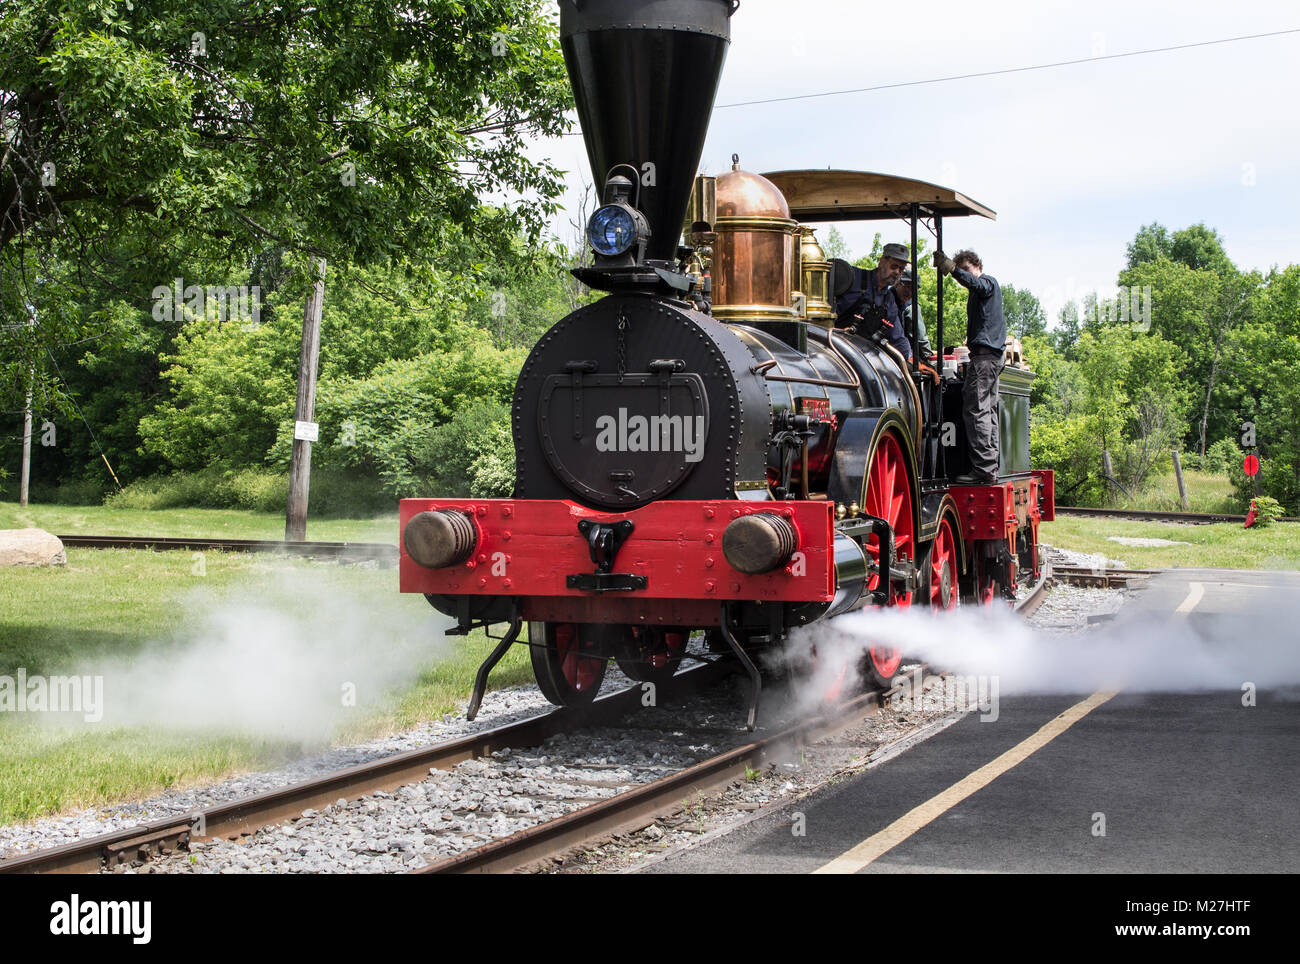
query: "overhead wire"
1009, 70
994, 73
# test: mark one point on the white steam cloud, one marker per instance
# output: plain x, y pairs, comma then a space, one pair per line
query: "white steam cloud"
1142, 653
290, 656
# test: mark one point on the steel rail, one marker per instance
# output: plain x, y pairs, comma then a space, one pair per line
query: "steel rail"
1026, 606
380, 551
246, 815
1100, 578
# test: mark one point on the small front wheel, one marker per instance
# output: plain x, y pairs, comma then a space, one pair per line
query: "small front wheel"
568, 661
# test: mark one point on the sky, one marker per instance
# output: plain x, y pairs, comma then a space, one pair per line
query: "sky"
1073, 159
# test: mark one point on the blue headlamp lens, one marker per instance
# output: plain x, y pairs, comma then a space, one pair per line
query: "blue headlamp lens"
612, 230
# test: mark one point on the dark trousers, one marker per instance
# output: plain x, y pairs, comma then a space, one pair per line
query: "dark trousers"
980, 412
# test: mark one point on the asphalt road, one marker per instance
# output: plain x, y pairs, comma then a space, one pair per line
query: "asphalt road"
1137, 782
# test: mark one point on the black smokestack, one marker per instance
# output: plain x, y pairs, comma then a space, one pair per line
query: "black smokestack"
644, 74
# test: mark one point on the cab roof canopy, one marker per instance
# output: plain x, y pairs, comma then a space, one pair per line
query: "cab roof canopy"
819, 195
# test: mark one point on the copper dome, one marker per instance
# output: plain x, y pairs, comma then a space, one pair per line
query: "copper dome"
742, 194
755, 257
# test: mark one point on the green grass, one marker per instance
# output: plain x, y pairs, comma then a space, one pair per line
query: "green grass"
1221, 546
1206, 492
192, 523
107, 606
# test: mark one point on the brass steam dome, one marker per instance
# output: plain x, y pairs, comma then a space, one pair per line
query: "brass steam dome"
755, 253
816, 282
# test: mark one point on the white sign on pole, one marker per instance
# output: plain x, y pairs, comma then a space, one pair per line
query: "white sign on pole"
306, 431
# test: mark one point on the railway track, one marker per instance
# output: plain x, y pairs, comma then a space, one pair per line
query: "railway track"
642, 804
380, 552
639, 807
165, 836
1152, 515
1100, 578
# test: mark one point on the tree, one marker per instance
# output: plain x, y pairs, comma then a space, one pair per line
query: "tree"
1151, 242
1065, 336
1056, 386
136, 136
1161, 399
1023, 311
872, 257
1134, 398
835, 246
230, 387
1264, 365
1200, 310
526, 293
1201, 249
1123, 395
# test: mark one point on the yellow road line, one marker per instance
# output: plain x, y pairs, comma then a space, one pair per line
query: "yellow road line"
864, 853
1195, 593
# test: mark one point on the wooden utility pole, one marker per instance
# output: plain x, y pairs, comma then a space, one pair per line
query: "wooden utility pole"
27, 433
27, 451
304, 429
1182, 487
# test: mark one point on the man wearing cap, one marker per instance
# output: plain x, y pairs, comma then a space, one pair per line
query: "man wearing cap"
906, 293
986, 337
873, 291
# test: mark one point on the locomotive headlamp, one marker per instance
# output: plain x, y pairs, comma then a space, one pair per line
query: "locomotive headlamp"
618, 229
612, 230
759, 542
440, 538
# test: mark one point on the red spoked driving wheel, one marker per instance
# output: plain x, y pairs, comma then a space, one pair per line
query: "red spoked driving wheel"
988, 586
889, 497
568, 661
944, 590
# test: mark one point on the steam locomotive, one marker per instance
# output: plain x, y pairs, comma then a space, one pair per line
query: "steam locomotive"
702, 448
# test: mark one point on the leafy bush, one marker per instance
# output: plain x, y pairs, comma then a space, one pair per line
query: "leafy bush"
228, 391
1068, 446
1220, 456
262, 490
1268, 510
472, 455
387, 426
76, 492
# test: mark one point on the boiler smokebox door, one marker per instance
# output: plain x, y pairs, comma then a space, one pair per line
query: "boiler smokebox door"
623, 443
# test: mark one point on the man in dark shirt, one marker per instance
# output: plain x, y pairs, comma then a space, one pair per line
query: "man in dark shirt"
872, 291
986, 337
